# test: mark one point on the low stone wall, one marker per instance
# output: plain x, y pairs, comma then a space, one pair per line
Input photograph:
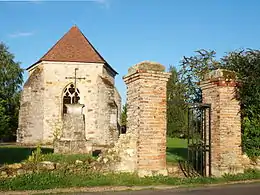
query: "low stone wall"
13, 170
16, 169
123, 156
248, 163
175, 170
73, 146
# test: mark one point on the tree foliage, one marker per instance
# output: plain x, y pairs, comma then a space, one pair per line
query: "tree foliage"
176, 108
192, 71
124, 116
10, 85
246, 63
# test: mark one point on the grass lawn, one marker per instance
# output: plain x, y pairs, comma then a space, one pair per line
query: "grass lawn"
176, 150
52, 180
10, 154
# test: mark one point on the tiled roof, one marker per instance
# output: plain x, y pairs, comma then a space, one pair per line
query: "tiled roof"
73, 47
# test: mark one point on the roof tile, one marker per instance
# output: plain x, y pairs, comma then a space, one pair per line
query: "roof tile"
73, 47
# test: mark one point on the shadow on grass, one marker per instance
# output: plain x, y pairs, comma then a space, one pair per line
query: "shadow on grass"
178, 153
9, 155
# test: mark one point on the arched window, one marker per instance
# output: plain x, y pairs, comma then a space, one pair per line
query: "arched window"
70, 96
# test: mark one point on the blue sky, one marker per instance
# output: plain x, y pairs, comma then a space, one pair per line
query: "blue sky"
126, 32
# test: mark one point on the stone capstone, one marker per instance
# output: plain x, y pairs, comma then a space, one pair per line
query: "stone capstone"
220, 74
146, 66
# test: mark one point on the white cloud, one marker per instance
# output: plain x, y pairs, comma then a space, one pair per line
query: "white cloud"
21, 34
104, 3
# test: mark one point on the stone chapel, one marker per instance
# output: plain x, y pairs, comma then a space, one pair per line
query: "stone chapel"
51, 84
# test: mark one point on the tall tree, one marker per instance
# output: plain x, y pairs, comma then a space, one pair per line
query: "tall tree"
124, 115
176, 108
246, 64
193, 69
11, 80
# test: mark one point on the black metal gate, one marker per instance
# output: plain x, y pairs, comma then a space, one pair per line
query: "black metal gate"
199, 141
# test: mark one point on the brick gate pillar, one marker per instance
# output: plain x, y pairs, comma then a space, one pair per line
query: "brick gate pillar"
218, 89
146, 115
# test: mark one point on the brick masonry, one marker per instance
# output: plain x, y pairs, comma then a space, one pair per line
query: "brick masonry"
146, 115
143, 148
219, 90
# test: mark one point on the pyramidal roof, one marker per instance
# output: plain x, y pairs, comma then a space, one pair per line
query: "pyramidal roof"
73, 47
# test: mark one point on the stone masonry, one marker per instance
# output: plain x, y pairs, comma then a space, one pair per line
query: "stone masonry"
219, 90
42, 105
143, 148
31, 114
73, 140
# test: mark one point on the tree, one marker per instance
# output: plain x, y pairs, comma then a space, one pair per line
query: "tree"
192, 71
124, 115
246, 64
124, 119
10, 86
176, 108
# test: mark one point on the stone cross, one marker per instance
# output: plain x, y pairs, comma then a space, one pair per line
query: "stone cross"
75, 81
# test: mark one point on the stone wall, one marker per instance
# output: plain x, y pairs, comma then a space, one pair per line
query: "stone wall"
107, 127
55, 83
219, 90
73, 140
143, 148
49, 106
30, 128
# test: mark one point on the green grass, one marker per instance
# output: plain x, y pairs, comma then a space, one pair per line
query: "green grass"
176, 149
14, 154
50, 180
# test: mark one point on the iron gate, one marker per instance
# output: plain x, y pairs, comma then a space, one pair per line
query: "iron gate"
199, 141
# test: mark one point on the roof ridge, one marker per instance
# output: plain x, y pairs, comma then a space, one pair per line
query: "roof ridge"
55, 44
91, 45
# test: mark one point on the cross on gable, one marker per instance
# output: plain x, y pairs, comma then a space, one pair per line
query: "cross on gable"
75, 80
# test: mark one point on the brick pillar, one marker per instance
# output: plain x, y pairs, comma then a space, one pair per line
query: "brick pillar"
218, 89
146, 115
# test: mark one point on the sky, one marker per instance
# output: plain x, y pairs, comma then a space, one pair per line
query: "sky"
126, 32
